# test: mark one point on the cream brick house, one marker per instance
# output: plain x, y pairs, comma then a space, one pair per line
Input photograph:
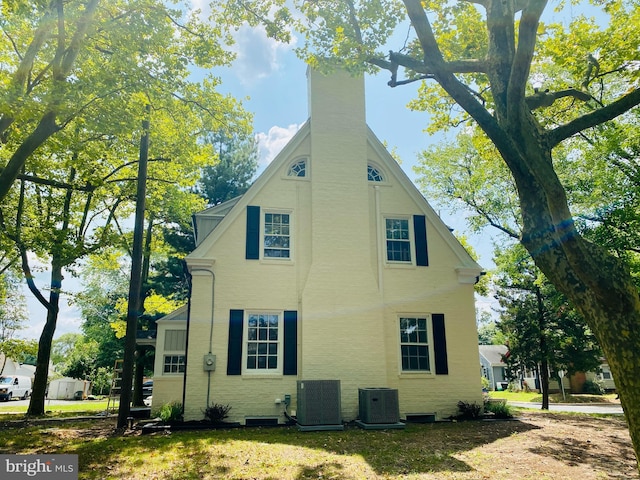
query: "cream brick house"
332, 266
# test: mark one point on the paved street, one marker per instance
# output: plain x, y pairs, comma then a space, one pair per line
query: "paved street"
574, 407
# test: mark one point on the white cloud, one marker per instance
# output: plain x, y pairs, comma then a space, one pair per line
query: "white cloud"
201, 5
258, 56
272, 142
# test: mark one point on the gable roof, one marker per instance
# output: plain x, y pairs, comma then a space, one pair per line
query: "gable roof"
244, 200
493, 353
207, 220
467, 269
179, 314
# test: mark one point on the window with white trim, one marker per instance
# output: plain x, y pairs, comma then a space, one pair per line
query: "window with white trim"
264, 342
374, 174
605, 374
398, 236
277, 235
414, 344
298, 169
174, 364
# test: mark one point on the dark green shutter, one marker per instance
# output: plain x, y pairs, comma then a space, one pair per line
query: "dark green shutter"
290, 366
440, 344
253, 233
420, 235
234, 349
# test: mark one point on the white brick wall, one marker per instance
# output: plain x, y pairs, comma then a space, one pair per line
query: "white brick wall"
347, 302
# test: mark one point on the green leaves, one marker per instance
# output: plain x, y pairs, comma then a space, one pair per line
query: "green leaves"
351, 31
467, 174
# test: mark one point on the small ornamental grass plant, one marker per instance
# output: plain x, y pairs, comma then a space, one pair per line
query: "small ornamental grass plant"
216, 413
499, 409
468, 411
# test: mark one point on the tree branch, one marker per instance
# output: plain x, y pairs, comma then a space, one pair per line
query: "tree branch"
410, 63
521, 64
592, 119
54, 183
46, 127
456, 89
26, 64
546, 99
29, 278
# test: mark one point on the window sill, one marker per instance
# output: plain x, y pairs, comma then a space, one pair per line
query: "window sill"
405, 265
416, 375
262, 376
286, 262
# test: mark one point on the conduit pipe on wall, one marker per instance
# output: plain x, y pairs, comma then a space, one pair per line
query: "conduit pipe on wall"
213, 283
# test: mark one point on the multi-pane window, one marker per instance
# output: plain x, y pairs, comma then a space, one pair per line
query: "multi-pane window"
174, 364
605, 374
414, 344
373, 174
398, 240
263, 334
298, 169
277, 235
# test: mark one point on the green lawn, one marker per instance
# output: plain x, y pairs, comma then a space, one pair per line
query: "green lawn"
89, 407
553, 398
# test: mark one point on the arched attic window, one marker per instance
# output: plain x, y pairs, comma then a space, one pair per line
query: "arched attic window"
374, 174
298, 169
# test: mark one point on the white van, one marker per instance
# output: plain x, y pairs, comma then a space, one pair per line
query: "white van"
14, 386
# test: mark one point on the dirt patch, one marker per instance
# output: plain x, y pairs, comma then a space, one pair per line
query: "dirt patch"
557, 447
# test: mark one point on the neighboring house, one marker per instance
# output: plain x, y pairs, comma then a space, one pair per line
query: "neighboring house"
332, 266
604, 376
493, 368
493, 365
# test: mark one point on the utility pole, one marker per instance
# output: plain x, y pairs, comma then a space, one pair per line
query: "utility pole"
135, 285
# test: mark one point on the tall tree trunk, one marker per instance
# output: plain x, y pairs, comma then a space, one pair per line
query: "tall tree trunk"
544, 383
138, 378
36, 404
597, 283
41, 133
135, 286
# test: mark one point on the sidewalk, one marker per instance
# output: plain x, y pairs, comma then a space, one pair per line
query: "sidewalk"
606, 408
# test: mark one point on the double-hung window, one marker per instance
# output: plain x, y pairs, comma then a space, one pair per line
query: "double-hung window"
398, 238
414, 344
277, 235
263, 342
